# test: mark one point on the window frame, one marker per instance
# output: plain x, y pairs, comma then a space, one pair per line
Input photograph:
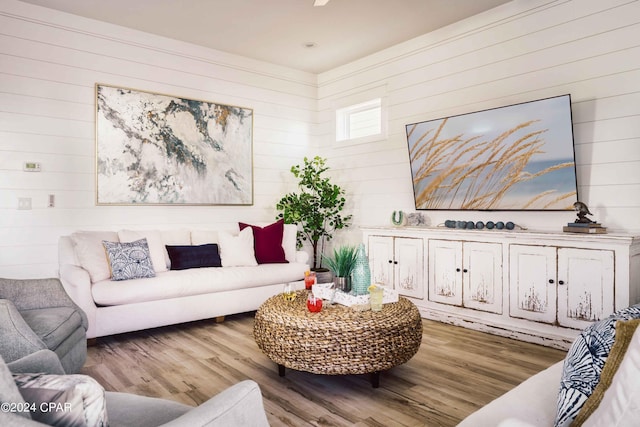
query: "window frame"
347, 106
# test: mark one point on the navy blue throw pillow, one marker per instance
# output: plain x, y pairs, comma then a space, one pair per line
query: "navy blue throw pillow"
184, 257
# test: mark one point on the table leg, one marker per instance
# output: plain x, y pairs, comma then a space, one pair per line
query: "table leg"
375, 379
281, 370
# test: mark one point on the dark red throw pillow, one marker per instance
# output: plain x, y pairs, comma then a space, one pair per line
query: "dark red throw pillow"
267, 242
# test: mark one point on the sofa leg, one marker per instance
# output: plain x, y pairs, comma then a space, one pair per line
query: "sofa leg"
91, 342
219, 319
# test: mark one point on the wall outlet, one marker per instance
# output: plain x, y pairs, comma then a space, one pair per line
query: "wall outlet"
24, 203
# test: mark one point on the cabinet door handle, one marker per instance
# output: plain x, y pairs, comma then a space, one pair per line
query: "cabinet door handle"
390, 261
551, 281
458, 270
465, 270
560, 282
395, 262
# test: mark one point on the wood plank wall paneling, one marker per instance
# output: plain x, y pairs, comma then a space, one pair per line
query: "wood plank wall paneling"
518, 52
49, 65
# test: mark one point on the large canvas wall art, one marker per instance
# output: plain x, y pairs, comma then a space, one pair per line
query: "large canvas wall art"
165, 150
518, 157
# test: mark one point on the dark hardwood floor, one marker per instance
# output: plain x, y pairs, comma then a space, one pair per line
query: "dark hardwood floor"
455, 372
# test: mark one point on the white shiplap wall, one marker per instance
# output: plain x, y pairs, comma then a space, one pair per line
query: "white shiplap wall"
49, 65
521, 51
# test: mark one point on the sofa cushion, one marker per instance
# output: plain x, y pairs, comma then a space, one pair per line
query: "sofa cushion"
53, 325
616, 399
584, 363
203, 237
196, 281
130, 260
267, 242
157, 248
184, 257
65, 400
237, 251
91, 254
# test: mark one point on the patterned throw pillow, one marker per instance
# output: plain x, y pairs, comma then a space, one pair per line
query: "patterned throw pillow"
129, 260
63, 400
584, 362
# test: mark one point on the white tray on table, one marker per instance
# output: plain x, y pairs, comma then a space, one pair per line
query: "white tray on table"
326, 292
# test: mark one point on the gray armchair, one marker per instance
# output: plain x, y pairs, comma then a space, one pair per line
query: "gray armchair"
37, 314
240, 405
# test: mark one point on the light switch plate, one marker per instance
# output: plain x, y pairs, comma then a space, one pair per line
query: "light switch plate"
24, 203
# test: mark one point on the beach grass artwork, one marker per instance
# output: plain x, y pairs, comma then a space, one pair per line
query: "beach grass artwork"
518, 157
165, 150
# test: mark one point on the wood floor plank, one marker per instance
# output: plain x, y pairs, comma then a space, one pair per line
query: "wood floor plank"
455, 372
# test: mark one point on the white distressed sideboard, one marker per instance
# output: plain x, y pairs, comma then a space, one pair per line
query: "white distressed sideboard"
540, 287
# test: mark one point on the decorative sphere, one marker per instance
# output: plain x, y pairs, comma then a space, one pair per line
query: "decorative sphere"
479, 225
510, 226
461, 224
447, 223
490, 225
499, 225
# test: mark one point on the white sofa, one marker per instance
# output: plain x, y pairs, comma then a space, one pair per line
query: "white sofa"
531, 403
172, 296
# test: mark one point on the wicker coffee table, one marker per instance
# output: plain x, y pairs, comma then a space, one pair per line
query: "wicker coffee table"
338, 340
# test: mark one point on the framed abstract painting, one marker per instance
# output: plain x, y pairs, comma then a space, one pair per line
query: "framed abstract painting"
156, 149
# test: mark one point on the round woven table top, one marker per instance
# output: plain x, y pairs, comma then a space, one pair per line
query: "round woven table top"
338, 340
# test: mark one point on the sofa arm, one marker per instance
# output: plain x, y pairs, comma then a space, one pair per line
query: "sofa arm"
18, 339
45, 361
238, 405
517, 407
77, 284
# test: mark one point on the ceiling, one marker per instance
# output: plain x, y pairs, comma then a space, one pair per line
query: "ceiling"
278, 31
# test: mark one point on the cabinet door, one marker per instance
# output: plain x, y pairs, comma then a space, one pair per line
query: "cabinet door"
445, 271
585, 286
482, 276
532, 277
408, 256
381, 259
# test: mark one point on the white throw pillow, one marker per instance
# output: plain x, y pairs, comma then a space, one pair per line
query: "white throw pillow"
157, 249
289, 241
91, 253
237, 251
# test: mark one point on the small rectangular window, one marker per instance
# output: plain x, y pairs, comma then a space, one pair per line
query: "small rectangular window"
359, 120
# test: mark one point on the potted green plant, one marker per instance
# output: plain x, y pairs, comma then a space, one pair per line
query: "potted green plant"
341, 264
316, 207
